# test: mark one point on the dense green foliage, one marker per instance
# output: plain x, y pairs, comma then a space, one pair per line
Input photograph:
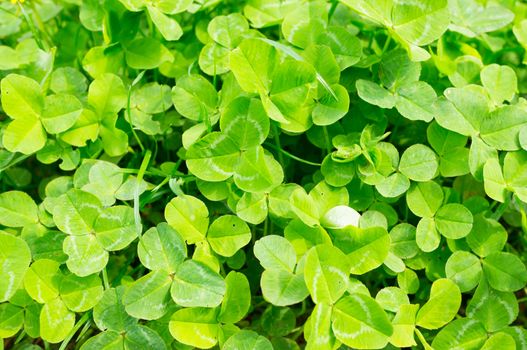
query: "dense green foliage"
263, 174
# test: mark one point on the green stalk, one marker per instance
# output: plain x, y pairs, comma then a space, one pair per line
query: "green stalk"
128, 110
78, 325
292, 156
140, 176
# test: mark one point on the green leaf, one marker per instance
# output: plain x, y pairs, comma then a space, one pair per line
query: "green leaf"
464, 269
42, 280
186, 323
468, 107
495, 185
14, 261
463, 333
17, 209
237, 299
304, 207
146, 53
60, 112
214, 157
76, 211
454, 220
110, 314
161, 248
493, 308
375, 94
86, 255
317, 329
253, 63
471, 18
228, 234
148, 297
195, 97
167, 26
505, 272
359, 322
426, 236
228, 30
282, 288
326, 273
252, 207
245, 121
487, 236
514, 168
392, 299
424, 198
404, 326
197, 285
366, 248
258, 171
415, 101
11, 320
499, 340
56, 321
107, 94
115, 227
500, 82
249, 340
502, 127
393, 186
80, 294
443, 305
329, 109
275, 253
189, 217
419, 163
22, 97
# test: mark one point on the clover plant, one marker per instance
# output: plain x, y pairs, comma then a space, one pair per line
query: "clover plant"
263, 174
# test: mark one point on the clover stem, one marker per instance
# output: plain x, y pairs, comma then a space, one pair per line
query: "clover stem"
85, 318
128, 110
105, 279
386, 44
327, 141
422, 339
278, 144
31, 26
501, 208
140, 176
334, 4
292, 156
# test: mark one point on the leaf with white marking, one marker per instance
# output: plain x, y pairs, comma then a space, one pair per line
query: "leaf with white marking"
56, 321
115, 227
366, 249
227, 234
275, 253
196, 327
258, 171
43, 279
359, 322
86, 255
80, 294
75, 212
148, 297
326, 273
17, 209
161, 248
197, 285
189, 216
214, 157
15, 258
246, 122
442, 307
